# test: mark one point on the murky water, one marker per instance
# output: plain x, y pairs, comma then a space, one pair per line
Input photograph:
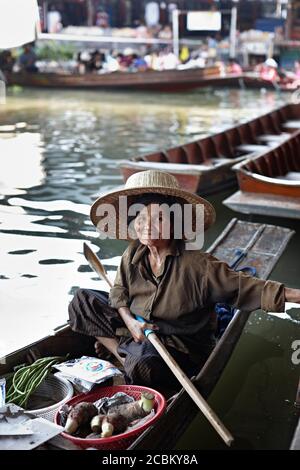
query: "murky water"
58, 150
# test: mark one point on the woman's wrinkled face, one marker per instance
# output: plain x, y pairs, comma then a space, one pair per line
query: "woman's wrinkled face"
152, 224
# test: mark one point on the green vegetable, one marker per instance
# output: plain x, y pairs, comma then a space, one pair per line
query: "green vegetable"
27, 379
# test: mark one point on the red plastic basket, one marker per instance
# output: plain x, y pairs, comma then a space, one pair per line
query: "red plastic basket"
120, 441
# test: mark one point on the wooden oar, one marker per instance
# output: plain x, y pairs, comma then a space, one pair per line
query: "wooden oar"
190, 388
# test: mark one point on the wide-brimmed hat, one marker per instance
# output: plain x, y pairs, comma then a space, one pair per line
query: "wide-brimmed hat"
149, 182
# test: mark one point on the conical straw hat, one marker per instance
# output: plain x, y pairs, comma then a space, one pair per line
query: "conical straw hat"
149, 182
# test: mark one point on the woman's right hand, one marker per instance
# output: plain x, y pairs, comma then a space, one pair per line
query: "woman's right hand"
137, 329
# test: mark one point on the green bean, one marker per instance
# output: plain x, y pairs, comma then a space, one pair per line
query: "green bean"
27, 379
21, 382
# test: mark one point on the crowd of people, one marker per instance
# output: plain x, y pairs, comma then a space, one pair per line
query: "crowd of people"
130, 60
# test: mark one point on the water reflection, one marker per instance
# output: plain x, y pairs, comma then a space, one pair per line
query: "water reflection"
21, 166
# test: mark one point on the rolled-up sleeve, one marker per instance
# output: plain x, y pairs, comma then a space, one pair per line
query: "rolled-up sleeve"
119, 294
241, 290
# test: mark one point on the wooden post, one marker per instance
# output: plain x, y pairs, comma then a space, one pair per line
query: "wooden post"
90, 12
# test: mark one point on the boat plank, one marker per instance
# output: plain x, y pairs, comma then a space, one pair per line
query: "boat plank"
264, 204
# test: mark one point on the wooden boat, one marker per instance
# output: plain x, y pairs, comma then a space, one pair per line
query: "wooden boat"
165, 80
205, 165
150, 80
270, 183
295, 445
262, 246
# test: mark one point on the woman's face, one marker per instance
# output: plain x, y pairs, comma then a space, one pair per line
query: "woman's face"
153, 225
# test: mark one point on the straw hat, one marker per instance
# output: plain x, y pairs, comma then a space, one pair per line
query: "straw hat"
150, 182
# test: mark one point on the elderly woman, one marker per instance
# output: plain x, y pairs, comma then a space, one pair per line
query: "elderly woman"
173, 288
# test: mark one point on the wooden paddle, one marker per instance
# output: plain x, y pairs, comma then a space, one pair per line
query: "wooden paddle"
190, 388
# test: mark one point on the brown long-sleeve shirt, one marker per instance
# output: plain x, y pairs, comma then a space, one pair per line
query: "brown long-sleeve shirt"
188, 286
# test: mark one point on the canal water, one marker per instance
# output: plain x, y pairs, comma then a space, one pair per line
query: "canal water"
58, 151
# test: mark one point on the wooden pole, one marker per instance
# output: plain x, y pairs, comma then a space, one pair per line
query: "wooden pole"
90, 12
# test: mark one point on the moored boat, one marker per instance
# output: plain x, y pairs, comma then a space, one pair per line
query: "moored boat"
205, 165
151, 80
261, 247
165, 80
270, 183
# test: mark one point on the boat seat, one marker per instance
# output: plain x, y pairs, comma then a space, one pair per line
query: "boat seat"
177, 167
290, 176
252, 148
292, 124
274, 137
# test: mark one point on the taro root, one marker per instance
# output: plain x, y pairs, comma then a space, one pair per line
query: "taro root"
135, 410
96, 423
114, 423
79, 415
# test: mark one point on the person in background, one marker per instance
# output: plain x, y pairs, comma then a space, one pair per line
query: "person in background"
141, 30
96, 62
54, 20
28, 59
6, 61
234, 67
297, 69
269, 70
84, 60
102, 18
168, 60
127, 58
139, 64
184, 54
165, 32
152, 14
111, 63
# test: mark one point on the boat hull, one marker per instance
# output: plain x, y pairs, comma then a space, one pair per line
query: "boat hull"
204, 184
205, 166
166, 80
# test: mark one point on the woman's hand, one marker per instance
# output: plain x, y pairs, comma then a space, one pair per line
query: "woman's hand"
292, 295
137, 329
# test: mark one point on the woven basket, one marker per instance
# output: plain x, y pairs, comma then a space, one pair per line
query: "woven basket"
53, 390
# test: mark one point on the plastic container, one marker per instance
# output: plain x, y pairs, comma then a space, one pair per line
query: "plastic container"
52, 389
120, 441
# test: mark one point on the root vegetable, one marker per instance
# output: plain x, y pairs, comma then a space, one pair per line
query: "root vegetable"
96, 423
135, 410
107, 429
81, 414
